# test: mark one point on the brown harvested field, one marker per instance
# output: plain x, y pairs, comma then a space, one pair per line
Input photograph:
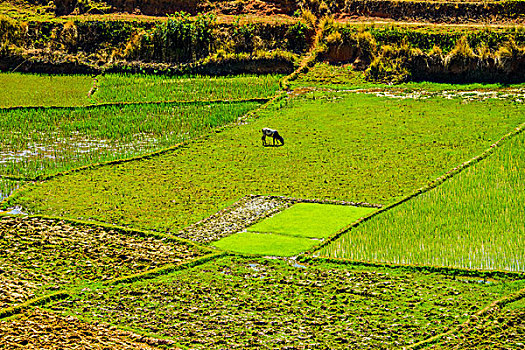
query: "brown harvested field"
38, 255
39, 329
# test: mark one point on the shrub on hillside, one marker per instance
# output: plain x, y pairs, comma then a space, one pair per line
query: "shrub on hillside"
392, 63
462, 58
179, 39
509, 56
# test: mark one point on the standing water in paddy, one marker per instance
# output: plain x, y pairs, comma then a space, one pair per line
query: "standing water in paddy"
7, 187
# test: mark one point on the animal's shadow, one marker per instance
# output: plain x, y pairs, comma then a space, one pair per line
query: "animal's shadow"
269, 145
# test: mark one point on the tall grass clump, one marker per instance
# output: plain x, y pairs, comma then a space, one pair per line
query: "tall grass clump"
7, 187
474, 220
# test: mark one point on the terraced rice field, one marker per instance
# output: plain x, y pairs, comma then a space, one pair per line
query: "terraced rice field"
36, 141
294, 230
500, 329
375, 146
148, 88
349, 151
239, 303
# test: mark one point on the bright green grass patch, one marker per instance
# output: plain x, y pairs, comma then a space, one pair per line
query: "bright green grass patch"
269, 303
44, 90
343, 146
265, 244
142, 88
36, 141
474, 220
311, 220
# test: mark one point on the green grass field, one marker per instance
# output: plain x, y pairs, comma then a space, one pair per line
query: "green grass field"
72, 90
474, 220
289, 232
311, 220
265, 244
240, 303
337, 147
44, 90
147, 88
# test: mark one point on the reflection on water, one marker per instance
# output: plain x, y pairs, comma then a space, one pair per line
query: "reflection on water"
7, 187
28, 158
76, 144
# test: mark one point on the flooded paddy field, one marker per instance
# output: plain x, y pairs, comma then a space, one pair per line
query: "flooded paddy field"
41, 141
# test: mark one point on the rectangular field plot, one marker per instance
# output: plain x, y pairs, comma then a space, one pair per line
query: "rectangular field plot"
146, 88
42, 255
474, 220
35, 141
355, 147
311, 220
44, 90
265, 244
269, 303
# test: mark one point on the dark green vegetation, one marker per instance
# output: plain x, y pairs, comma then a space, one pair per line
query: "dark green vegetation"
237, 303
474, 220
38, 256
338, 146
176, 45
265, 244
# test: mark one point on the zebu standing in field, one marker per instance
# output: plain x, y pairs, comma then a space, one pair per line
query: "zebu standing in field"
274, 134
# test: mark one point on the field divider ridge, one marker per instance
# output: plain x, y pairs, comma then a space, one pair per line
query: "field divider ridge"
445, 270
163, 270
128, 231
39, 301
500, 303
143, 103
429, 186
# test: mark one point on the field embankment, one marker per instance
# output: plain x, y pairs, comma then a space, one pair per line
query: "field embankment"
177, 45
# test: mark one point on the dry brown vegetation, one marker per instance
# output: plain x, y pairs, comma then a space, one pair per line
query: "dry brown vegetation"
39, 329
